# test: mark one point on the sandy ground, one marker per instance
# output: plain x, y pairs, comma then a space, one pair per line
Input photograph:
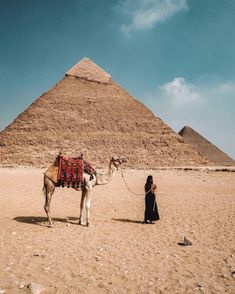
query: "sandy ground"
118, 253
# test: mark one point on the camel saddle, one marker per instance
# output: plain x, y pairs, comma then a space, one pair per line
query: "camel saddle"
70, 171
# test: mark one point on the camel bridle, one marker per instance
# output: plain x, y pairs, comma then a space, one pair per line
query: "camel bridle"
128, 188
117, 162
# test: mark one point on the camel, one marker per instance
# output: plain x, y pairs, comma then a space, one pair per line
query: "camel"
100, 178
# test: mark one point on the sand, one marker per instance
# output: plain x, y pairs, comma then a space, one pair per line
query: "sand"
118, 253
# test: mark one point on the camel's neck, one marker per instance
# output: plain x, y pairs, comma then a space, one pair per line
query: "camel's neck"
105, 178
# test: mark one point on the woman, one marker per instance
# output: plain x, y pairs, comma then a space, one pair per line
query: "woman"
151, 212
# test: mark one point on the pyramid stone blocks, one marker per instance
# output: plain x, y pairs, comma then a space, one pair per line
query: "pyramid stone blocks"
87, 112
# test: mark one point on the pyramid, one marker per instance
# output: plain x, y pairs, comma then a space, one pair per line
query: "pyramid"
88, 70
202, 145
87, 112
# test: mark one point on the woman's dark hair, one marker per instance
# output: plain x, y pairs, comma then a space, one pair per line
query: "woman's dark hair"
149, 183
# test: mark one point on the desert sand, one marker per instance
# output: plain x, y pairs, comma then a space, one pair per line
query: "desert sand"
118, 253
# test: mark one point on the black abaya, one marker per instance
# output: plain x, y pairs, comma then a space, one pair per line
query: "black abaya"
151, 210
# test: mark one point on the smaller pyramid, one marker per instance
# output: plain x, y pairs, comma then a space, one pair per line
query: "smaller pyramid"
205, 147
88, 70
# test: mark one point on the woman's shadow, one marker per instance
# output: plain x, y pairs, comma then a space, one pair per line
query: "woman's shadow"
43, 221
126, 220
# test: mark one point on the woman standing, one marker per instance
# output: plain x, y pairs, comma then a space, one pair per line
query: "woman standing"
151, 212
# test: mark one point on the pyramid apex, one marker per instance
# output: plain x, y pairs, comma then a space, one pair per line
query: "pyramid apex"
88, 70
185, 129
205, 147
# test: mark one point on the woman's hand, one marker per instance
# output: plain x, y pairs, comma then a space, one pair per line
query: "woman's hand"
153, 188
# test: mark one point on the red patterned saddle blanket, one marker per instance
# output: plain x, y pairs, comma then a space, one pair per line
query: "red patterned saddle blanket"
70, 172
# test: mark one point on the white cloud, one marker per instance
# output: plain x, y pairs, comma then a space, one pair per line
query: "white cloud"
145, 14
180, 93
208, 107
225, 88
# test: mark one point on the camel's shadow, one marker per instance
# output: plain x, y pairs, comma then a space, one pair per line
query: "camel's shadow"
43, 221
126, 220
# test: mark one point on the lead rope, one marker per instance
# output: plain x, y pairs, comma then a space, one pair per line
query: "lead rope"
138, 194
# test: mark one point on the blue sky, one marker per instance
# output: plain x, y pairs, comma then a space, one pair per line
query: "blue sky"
176, 56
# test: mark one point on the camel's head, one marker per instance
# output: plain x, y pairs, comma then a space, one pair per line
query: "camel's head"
118, 161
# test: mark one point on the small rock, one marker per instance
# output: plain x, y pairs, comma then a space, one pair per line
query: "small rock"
2, 291
35, 288
68, 225
100, 249
199, 285
97, 258
186, 242
13, 233
21, 285
233, 274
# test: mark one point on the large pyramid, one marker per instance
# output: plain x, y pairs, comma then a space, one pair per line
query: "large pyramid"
202, 145
90, 113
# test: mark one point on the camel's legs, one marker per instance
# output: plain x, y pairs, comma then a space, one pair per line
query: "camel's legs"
84, 191
48, 194
88, 207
